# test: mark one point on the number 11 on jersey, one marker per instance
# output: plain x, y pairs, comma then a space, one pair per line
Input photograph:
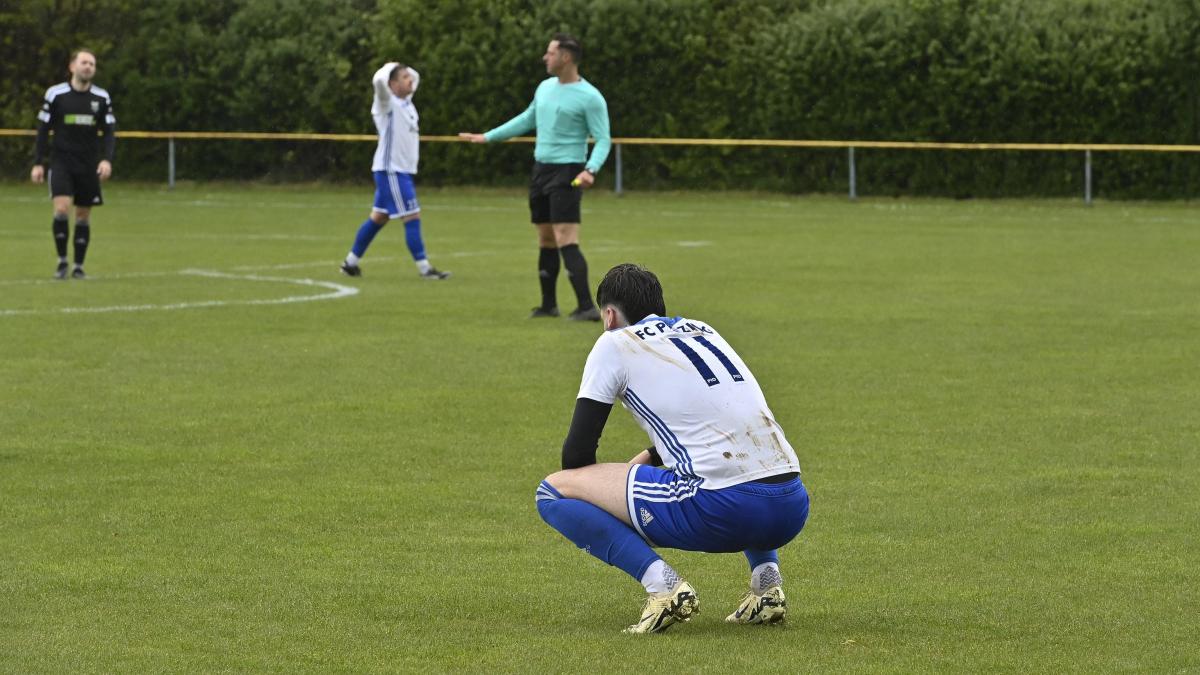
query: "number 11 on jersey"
710, 378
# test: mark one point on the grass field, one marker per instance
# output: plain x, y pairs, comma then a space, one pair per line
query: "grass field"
996, 405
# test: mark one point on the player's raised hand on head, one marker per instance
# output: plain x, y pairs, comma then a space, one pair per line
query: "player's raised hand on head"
104, 170
38, 173
473, 138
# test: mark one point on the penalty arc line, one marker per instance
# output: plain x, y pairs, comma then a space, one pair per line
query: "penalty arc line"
335, 291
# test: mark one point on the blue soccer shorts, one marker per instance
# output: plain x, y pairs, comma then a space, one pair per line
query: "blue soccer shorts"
395, 194
673, 511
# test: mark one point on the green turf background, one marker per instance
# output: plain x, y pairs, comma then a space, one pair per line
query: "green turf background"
996, 405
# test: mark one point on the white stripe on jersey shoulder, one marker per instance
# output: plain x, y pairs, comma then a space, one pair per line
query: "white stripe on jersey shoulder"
53, 92
101, 91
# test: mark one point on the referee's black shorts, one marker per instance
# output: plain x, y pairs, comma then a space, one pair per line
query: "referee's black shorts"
551, 197
84, 186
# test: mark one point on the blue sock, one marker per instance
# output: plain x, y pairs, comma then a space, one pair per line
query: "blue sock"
596, 531
412, 237
757, 558
366, 233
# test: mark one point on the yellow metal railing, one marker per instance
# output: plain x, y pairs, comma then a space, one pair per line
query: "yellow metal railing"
850, 146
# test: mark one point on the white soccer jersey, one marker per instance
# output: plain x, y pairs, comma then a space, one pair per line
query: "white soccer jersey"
396, 121
695, 398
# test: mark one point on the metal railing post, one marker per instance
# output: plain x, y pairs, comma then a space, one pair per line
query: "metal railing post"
618, 188
853, 177
171, 163
1087, 177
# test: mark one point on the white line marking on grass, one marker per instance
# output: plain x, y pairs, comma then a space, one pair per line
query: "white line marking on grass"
332, 264
335, 291
517, 204
203, 236
91, 279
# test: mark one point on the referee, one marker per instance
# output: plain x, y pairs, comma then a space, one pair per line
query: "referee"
566, 109
76, 111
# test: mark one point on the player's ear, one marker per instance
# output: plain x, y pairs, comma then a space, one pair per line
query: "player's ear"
610, 316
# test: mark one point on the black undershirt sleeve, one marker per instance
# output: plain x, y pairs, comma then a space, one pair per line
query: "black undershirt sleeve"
579, 448
655, 458
42, 144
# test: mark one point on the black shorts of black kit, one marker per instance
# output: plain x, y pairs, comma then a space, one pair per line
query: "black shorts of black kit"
552, 199
83, 184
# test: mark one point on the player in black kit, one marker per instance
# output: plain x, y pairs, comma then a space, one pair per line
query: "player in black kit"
76, 111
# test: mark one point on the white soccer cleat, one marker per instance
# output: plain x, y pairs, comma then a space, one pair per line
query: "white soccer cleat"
663, 611
770, 607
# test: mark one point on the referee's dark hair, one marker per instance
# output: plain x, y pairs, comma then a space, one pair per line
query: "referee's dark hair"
632, 289
400, 68
82, 50
569, 44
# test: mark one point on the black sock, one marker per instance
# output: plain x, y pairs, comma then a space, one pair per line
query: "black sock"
548, 276
61, 234
83, 234
577, 273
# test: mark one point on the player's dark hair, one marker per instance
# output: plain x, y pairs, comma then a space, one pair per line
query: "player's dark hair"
396, 72
569, 44
632, 289
82, 50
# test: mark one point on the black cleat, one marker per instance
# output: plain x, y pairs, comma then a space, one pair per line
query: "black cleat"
544, 313
351, 270
61, 272
589, 314
78, 273
434, 274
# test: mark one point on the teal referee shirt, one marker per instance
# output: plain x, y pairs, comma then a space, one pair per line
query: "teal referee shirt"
564, 116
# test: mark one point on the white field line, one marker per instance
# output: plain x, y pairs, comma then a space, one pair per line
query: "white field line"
335, 291
601, 248
91, 279
331, 264
782, 209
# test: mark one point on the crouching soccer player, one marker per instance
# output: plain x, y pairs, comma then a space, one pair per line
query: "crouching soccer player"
394, 166
720, 477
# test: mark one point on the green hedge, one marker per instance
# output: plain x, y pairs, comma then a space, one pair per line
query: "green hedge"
1114, 71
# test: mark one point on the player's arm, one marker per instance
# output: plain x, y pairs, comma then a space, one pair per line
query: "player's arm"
41, 145
604, 378
383, 95
416, 79
523, 123
104, 170
596, 115
579, 448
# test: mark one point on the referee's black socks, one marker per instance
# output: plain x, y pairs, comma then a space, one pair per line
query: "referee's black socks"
548, 267
577, 273
83, 234
61, 233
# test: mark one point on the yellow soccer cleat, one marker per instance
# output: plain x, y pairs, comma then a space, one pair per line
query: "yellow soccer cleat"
770, 607
662, 611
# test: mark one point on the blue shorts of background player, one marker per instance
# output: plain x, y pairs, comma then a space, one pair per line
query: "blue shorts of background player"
395, 197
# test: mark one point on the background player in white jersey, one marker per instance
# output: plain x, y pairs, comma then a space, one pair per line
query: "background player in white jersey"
394, 166
719, 478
